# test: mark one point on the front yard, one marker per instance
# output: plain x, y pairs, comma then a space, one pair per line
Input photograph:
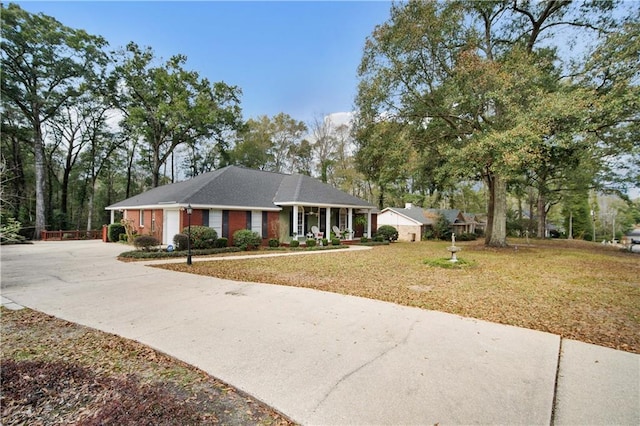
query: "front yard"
576, 289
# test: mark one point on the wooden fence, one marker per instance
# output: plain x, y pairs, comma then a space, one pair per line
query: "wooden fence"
71, 235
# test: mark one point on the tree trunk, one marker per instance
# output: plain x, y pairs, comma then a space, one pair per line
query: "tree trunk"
542, 215
499, 229
38, 147
490, 207
155, 172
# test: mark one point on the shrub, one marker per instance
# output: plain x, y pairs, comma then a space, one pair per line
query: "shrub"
246, 239
123, 237
146, 242
221, 242
335, 241
180, 242
387, 232
202, 237
364, 239
466, 236
294, 243
274, 242
325, 242
379, 239
311, 242
114, 231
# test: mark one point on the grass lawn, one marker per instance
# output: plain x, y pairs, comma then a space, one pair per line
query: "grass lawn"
579, 290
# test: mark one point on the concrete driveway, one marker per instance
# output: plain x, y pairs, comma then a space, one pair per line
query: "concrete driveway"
329, 359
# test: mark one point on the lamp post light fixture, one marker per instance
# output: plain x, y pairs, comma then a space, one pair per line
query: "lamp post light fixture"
189, 211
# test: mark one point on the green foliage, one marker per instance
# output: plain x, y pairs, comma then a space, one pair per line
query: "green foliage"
310, 242
481, 80
221, 242
138, 254
180, 242
146, 242
387, 232
448, 264
466, 236
325, 242
442, 228
274, 242
10, 231
364, 239
115, 232
202, 237
190, 108
335, 241
246, 239
270, 143
294, 243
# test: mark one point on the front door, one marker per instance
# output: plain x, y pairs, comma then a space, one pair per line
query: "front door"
171, 226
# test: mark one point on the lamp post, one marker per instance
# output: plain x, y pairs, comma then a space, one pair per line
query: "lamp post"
189, 211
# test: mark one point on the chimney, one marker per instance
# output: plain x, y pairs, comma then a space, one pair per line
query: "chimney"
408, 206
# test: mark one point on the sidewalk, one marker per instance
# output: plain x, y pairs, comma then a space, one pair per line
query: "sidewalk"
329, 359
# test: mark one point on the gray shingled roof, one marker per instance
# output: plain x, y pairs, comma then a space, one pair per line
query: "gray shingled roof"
427, 216
414, 213
237, 186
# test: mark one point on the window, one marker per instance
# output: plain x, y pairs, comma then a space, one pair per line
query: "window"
205, 217
300, 220
342, 219
215, 221
141, 218
256, 222
153, 220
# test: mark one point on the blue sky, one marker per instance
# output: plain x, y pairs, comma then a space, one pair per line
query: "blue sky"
296, 57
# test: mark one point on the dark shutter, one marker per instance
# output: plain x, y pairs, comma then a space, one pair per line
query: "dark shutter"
205, 217
265, 225
248, 215
225, 223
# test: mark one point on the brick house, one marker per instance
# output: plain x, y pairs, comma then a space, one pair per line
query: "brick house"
274, 205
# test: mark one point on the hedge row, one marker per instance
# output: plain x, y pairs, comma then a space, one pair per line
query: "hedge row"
137, 254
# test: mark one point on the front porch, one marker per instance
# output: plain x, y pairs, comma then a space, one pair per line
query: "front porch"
352, 223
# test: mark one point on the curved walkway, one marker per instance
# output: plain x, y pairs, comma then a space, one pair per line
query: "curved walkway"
329, 359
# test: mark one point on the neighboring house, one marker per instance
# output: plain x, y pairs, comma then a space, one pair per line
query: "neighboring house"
274, 205
414, 222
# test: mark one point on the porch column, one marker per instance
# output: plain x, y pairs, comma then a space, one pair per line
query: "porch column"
113, 216
350, 222
327, 220
295, 219
369, 223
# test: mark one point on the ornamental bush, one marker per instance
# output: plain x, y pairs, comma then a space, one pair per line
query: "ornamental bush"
146, 242
246, 239
180, 242
294, 244
335, 241
274, 243
387, 232
311, 242
202, 237
221, 242
114, 231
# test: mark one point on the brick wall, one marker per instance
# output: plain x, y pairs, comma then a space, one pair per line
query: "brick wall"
237, 220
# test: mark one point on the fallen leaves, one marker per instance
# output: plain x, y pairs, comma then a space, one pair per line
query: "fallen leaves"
57, 372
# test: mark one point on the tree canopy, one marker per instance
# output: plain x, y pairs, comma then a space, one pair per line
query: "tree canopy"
483, 90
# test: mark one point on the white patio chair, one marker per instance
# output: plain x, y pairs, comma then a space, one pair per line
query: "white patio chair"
316, 233
338, 232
